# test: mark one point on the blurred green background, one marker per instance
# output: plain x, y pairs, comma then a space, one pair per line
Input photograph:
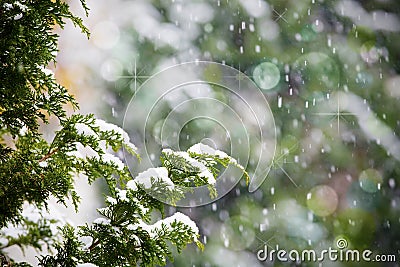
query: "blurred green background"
330, 73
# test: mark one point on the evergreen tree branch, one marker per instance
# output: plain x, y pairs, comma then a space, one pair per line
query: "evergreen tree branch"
48, 155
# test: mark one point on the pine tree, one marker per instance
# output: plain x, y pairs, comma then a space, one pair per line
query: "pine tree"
32, 169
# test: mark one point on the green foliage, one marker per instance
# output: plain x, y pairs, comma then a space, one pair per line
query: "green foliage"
314, 145
38, 169
197, 168
28, 44
124, 235
29, 93
31, 233
32, 169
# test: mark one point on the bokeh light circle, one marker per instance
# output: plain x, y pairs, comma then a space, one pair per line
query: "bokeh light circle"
322, 200
266, 75
370, 180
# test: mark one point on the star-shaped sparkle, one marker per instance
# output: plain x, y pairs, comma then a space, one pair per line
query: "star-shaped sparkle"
277, 162
337, 114
264, 242
136, 76
280, 15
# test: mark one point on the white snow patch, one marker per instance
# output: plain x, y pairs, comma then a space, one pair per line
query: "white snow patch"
160, 174
86, 152
122, 194
33, 214
103, 145
205, 149
90, 153
84, 129
103, 221
21, 6
7, 6
18, 16
86, 265
131, 146
109, 158
148, 228
179, 217
204, 171
86, 240
111, 200
131, 185
105, 126
46, 71
23, 130
43, 164
14, 231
